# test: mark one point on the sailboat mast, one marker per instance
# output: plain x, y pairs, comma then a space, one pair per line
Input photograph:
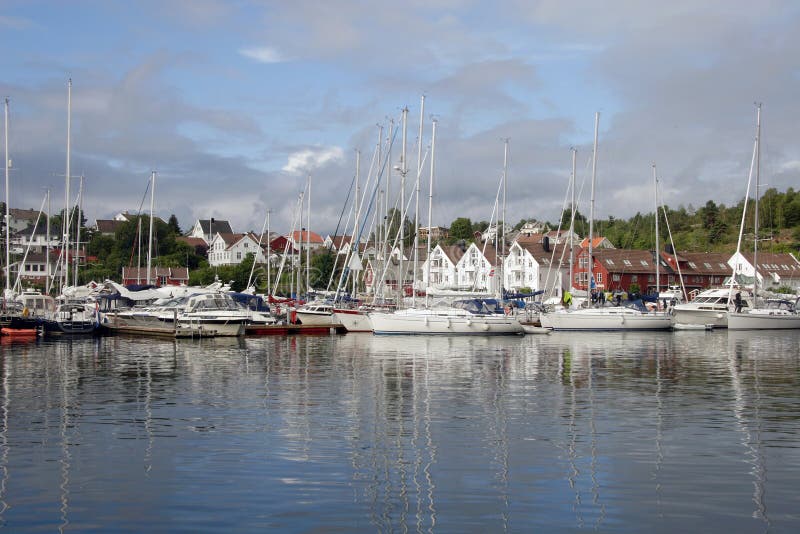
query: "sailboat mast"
78, 232
353, 241
591, 204
430, 210
416, 209
572, 221
150, 240
65, 222
308, 241
755, 213
47, 249
269, 257
8, 218
503, 238
658, 254
403, 171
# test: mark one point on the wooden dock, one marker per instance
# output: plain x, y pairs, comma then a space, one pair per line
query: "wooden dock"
293, 329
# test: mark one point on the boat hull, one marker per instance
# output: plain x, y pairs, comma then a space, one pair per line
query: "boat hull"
315, 318
353, 320
716, 317
444, 324
606, 320
763, 321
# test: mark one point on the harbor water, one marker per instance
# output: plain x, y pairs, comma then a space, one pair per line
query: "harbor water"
623, 432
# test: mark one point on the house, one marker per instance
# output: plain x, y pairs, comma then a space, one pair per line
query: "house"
208, 228
159, 276
443, 260
532, 227
557, 237
597, 243
302, 238
35, 269
21, 219
436, 233
107, 227
773, 270
475, 270
619, 269
232, 249
338, 243
37, 240
533, 263
699, 270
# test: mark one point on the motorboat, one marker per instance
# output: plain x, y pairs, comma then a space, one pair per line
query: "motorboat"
708, 307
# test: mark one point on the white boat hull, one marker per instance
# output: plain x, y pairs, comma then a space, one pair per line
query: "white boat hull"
763, 321
353, 320
606, 319
429, 322
716, 317
315, 318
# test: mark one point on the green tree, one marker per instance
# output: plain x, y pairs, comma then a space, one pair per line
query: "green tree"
461, 228
173, 223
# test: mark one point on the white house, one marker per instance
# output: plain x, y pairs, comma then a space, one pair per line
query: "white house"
232, 249
774, 270
302, 238
208, 228
520, 269
443, 262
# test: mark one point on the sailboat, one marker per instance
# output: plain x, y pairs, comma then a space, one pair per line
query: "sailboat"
632, 317
778, 313
460, 317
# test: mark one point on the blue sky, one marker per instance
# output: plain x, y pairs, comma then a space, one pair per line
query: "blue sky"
234, 103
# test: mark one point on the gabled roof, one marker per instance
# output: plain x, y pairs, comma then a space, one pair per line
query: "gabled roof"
108, 226
303, 236
23, 214
706, 263
620, 260
784, 264
338, 241
212, 226
596, 242
543, 257
193, 241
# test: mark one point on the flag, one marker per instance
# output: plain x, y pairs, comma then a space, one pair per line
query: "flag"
491, 273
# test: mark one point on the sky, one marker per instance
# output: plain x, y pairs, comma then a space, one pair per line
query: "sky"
235, 104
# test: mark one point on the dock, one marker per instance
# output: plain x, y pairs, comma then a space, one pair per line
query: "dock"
293, 329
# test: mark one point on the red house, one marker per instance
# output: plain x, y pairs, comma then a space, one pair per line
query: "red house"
159, 276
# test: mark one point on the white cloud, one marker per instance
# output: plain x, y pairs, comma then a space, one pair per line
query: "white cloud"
263, 54
793, 165
312, 158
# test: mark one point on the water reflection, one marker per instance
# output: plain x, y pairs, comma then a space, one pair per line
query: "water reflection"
362, 433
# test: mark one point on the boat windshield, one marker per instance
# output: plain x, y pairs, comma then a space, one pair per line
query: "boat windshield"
472, 306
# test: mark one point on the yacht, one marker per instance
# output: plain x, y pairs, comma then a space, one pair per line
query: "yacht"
776, 314
709, 307
470, 317
633, 316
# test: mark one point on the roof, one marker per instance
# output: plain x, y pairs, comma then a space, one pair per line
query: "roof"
785, 265
304, 236
620, 260
706, 263
339, 241
108, 226
30, 215
212, 226
193, 241
596, 242
542, 256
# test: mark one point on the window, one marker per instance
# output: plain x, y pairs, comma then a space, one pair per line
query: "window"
583, 261
238, 255
644, 262
598, 277
707, 265
615, 277
692, 265
610, 261
634, 278
722, 266
627, 263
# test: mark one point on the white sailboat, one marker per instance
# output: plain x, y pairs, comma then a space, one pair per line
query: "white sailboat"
633, 317
461, 317
778, 313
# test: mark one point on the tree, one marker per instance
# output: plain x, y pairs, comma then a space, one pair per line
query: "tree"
461, 228
173, 224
